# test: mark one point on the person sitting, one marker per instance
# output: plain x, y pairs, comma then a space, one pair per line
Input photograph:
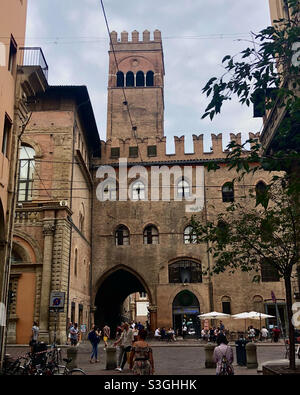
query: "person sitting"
163, 334
157, 334
184, 331
171, 335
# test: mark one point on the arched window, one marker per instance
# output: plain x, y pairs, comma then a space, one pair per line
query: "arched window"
185, 271
120, 79
26, 172
222, 231
258, 304
151, 235
130, 79
183, 189
140, 78
138, 191
268, 272
109, 191
260, 189
226, 305
122, 236
189, 236
228, 192
150, 78
75, 262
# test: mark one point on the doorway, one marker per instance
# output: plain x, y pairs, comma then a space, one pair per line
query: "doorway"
111, 295
186, 309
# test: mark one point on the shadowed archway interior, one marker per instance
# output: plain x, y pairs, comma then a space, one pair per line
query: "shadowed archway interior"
111, 296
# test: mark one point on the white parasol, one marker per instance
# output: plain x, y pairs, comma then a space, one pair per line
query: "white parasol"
253, 315
214, 315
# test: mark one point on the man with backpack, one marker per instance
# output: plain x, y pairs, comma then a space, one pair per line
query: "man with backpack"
223, 356
94, 338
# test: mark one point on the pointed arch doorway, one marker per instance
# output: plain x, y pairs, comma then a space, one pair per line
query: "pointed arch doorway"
186, 309
113, 290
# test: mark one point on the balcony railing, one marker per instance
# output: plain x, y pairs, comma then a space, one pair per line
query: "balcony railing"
33, 56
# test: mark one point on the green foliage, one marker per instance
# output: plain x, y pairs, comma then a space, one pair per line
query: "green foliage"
268, 231
264, 71
242, 237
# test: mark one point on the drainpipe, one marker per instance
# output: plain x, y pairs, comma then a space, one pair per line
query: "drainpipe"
71, 227
210, 285
91, 261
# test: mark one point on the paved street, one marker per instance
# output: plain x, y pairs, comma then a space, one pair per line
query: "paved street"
169, 359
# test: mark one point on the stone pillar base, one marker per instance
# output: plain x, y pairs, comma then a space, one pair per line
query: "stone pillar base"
72, 354
111, 363
12, 330
44, 336
209, 353
251, 356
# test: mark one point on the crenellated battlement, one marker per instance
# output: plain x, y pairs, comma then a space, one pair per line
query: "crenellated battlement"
153, 149
135, 37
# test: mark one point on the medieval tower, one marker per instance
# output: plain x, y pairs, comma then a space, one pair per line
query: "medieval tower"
136, 86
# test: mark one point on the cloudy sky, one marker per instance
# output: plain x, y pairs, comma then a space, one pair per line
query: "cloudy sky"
196, 35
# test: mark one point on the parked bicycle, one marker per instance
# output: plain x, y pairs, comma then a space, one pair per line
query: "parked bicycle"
42, 363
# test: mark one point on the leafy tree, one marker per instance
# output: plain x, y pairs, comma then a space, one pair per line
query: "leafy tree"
266, 75
245, 238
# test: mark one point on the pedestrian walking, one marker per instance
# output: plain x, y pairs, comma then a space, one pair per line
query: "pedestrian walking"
251, 333
106, 335
119, 331
264, 333
94, 338
68, 332
35, 330
125, 342
223, 356
276, 334
74, 334
141, 356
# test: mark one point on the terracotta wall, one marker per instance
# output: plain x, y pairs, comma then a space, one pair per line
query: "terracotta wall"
25, 307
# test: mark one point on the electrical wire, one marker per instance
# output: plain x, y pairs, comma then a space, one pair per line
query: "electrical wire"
133, 127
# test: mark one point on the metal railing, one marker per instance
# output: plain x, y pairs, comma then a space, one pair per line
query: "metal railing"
33, 56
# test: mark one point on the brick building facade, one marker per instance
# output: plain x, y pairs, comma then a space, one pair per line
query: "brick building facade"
141, 243
100, 239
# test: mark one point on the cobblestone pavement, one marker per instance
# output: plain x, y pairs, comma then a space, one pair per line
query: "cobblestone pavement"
170, 359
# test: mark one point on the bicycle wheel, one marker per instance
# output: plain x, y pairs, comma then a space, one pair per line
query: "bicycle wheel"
76, 372
58, 370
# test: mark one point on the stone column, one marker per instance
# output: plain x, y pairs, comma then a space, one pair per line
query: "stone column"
251, 356
48, 231
209, 354
153, 317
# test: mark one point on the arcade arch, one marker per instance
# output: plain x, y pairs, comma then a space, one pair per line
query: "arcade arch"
112, 290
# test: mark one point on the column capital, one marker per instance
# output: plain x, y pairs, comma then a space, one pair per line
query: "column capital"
152, 308
48, 228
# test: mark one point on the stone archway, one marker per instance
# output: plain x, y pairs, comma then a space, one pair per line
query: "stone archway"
114, 287
185, 310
